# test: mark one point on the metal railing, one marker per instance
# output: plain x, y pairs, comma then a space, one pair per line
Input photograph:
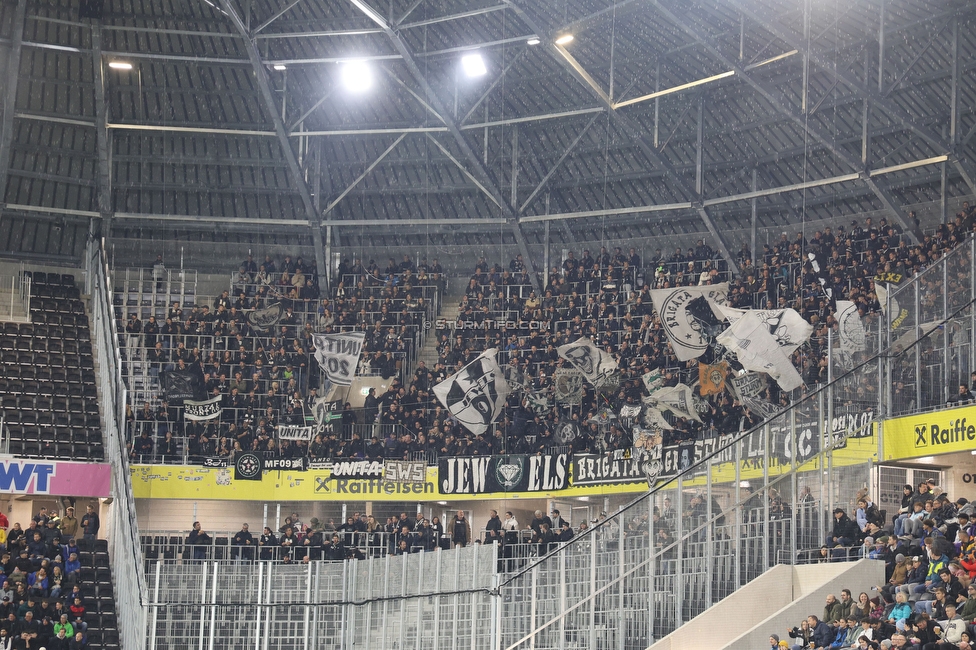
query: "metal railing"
935, 308
420, 600
16, 306
123, 533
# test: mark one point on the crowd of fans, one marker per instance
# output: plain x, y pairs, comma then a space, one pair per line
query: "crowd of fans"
264, 377
362, 536
928, 601
43, 602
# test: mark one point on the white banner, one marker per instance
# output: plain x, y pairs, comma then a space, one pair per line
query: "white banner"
757, 350
786, 325
850, 330
596, 365
476, 394
682, 330
200, 411
338, 355
292, 432
750, 384
677, 399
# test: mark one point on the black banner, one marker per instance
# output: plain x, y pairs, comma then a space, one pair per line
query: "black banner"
248, 466
179, 385
514, 473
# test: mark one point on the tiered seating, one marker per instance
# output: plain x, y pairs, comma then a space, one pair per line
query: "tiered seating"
98, 596
47, 376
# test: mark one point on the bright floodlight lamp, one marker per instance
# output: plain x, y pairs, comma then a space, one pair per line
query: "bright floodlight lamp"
120, 65
533, 41
564, 39
473, 65
356, 76
279, 67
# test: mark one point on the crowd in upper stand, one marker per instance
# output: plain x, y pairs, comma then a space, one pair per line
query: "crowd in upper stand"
264, 377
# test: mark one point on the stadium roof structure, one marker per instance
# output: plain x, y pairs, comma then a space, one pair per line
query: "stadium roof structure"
331, 121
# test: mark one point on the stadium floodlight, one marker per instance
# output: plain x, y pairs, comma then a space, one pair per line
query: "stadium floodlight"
473, 65
356, 76
564, 39
119, 65
279, 67
533, 41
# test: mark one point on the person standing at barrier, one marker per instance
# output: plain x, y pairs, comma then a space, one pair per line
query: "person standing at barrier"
243, 543
90, 524
493, 529
267, 543
460, 530
198, 540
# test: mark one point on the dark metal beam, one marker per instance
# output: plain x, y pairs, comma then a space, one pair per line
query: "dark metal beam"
102, 134
281, 131
778, 101
631, 129
10, 94
487, 182
966, 169
557, 164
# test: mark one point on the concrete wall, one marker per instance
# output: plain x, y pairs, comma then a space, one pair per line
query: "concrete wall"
811, 585
771, 604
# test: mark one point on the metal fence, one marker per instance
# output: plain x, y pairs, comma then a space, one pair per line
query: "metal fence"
123, 534
15, 298
935, 309
429, 600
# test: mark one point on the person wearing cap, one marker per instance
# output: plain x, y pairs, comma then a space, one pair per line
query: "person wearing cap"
334, 551
968, 609
773, 641
243, 543
844, 532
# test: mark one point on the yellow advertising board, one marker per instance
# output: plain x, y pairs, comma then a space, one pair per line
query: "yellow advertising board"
930, 434
217, 483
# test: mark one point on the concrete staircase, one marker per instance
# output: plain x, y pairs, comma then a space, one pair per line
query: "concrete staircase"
448, 312
12, 308
771, 604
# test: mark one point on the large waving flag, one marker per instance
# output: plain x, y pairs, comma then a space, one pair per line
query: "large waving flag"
475, 394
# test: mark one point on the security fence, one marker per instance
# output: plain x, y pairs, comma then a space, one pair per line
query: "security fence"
424, 600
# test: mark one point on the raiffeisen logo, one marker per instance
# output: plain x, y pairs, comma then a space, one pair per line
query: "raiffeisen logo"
933, 435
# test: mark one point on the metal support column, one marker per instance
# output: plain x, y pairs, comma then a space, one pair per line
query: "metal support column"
754, 207
10, 93
513, 197
881, 46
699, 145
954, 89
102, 135
679, 585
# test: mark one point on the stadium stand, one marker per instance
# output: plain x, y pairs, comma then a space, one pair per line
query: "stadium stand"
47, 376
263, 377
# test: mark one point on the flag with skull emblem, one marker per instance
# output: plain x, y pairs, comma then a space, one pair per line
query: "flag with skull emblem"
597, 366
476, 394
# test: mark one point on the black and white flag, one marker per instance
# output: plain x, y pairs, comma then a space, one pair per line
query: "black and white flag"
199, 411
748, 384
757, 350
476, 394
265, 319
338, 355
785, 325
180, 385
683, 330
850, 329
677, 399
597, 366
568, 386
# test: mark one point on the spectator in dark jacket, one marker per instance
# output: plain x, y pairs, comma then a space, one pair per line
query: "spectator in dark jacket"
845, 531
822, 635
